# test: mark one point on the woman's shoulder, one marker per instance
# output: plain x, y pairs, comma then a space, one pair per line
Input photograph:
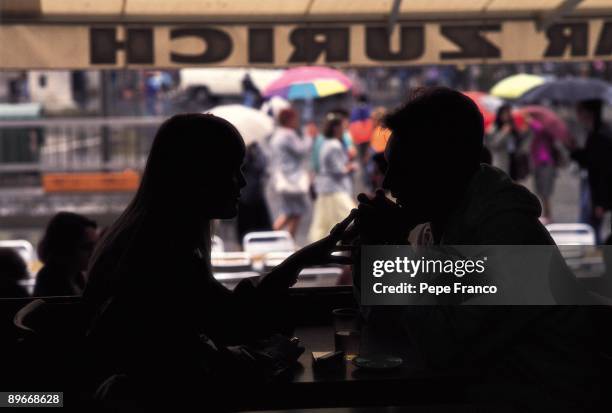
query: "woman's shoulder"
332, 145
283, 131
281, 136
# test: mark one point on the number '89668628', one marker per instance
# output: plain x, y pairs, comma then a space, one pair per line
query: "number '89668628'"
31, 399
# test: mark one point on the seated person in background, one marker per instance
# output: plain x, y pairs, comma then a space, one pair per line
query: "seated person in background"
158, 315
446, 196
65, 250
12, 270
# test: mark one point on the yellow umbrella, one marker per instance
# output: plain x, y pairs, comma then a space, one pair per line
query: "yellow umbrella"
328, 87
513, 87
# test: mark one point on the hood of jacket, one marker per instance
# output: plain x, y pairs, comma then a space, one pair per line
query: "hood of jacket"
490, 193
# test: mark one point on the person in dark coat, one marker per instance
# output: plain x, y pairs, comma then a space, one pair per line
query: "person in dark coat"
65, 250
596, 158
538, 356
253, 212
12, 270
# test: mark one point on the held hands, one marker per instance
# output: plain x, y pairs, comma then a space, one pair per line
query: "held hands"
381, 221
320, 252
378, 220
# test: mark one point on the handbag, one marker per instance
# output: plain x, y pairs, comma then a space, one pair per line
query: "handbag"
283, 186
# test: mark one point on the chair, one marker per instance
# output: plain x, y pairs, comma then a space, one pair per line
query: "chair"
115, 391
55, 320
217, 244
57, 328
272, 259
231, 267
309, 277
319, 276
23, 247
28, 254
28, 284
22, 319
264, 242
574, 241
231, 261
572, 234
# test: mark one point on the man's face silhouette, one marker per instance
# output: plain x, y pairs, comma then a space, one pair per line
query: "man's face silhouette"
415, 176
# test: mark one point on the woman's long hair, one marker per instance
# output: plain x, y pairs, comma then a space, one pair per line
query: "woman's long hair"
332, 122
499, 122
185, 154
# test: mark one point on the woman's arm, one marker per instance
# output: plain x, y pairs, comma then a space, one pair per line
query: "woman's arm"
336, 163
297, 146
320, 252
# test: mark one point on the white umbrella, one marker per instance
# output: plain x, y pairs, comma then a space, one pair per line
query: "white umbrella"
253, 125
274, 106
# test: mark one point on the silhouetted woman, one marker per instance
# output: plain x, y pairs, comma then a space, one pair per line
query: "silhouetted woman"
154, 300
65, 250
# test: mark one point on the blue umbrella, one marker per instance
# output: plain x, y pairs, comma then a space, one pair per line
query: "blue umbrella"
302, 91
569, 90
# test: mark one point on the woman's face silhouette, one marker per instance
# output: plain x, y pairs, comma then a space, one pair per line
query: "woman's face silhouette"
194, 168
221, 197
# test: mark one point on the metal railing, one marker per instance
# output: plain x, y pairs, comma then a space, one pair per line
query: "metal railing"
76, 144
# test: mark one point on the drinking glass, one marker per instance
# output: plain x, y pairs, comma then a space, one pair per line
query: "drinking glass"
347, 331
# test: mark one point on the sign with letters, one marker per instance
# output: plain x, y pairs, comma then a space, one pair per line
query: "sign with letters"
125, 181
48, 46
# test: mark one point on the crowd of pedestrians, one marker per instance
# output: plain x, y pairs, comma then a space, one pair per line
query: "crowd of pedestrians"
320, 167
523, 147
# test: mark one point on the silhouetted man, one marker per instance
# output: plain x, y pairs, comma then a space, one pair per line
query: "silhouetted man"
435, 173
446, 196
596, 158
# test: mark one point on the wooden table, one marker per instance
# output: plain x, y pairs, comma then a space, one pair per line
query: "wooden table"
347, 386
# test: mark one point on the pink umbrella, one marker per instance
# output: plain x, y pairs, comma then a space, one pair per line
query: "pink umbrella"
309, 82
488, 106
551, 122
